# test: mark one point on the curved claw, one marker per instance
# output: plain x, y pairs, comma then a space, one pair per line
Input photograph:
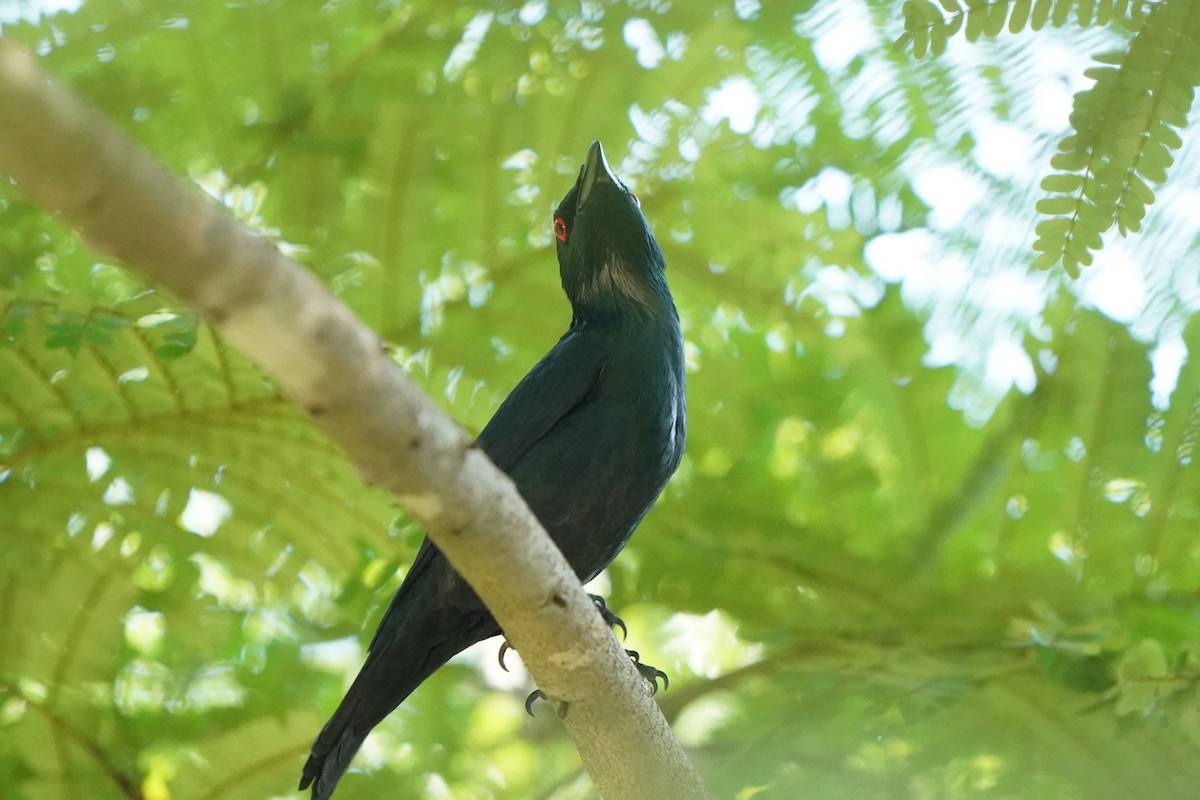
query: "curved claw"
610, 619
534, 696
560, 708
504, 648
649, 672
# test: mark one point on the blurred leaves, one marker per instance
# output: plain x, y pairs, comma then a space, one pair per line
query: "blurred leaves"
927, 25
1126, 125
1126, 133
935, 532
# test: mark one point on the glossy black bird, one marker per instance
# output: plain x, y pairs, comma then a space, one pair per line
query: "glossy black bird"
590, 437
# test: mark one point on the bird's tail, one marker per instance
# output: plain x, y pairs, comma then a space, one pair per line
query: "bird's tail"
328, 762
433, 616
375, 693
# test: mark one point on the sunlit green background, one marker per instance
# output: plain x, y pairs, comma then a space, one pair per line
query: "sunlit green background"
935, 536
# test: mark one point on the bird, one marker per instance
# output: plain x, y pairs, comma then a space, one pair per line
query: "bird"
590, 436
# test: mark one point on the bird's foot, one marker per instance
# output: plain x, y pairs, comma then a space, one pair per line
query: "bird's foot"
606, 614
650, 673
609, 617
534, 696
560, 707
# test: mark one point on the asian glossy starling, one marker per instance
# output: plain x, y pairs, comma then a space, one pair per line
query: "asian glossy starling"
590, 437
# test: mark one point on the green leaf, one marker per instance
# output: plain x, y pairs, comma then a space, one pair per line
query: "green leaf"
1057, 206
1140, 674
1061, 183
976, 18
920, 42
1085, 10
1019, 17
1060, 13
1041, 13
996, 16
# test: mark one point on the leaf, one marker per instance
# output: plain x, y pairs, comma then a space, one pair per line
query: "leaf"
1085, 11
1060, 13
1041, 13
1141, 673
1057, 206
1062, 183
1123, 143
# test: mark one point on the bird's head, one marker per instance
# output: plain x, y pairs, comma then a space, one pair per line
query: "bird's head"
607, 256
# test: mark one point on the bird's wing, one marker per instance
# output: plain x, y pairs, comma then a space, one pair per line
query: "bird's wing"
551, 390
555, 386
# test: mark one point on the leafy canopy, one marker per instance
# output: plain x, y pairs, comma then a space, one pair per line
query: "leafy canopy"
935, 533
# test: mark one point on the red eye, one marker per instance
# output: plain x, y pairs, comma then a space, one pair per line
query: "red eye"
560, 229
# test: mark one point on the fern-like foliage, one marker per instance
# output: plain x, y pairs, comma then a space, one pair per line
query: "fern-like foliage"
113, 422
1126, 129
928, 25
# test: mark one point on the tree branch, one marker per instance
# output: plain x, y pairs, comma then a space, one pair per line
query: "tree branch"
69, 159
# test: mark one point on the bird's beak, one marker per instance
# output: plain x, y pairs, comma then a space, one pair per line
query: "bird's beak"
595, 170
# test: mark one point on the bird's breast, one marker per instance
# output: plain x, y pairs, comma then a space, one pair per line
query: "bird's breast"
612, 456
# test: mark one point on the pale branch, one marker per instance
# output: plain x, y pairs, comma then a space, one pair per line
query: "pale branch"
69, 159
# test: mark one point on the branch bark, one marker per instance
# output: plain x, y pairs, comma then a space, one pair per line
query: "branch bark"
70, 160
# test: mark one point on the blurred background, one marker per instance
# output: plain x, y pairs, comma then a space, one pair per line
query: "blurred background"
935, 535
